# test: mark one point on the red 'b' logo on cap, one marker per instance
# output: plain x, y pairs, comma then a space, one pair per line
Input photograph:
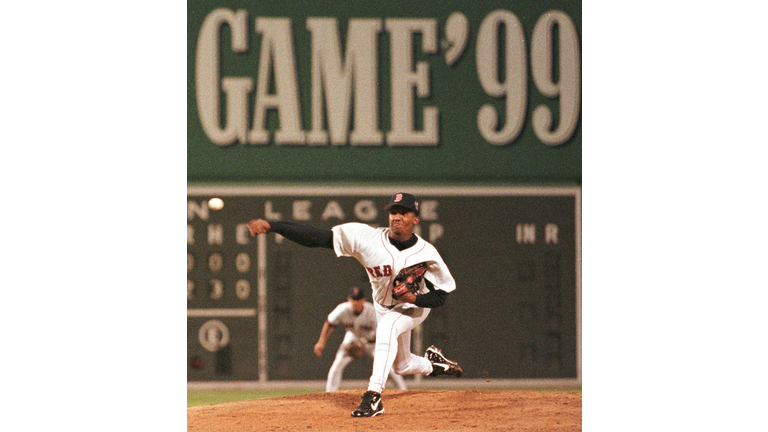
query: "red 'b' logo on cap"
398, 197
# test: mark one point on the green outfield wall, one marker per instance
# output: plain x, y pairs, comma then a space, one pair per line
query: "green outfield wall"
256, 304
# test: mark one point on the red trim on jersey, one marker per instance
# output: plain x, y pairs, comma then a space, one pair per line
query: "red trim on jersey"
384, 241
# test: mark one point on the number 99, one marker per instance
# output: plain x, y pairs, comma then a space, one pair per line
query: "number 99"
514, 87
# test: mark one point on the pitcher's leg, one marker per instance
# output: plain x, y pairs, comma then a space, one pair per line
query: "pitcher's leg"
407, 363
390, 327
393, 326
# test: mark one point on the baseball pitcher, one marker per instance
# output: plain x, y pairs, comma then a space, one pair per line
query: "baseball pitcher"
408, 277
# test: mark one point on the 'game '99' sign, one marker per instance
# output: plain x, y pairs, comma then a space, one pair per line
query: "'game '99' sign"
300, 84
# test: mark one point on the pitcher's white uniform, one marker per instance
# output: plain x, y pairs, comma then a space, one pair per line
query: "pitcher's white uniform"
372, 248
357, 327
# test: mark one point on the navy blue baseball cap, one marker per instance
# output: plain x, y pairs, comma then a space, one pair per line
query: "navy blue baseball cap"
404, 200
356, 293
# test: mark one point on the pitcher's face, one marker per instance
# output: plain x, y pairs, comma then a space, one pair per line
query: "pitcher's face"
401, 222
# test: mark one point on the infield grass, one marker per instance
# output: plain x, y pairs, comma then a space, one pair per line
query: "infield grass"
209, 397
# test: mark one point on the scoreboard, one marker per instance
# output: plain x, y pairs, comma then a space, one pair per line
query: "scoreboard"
255, 305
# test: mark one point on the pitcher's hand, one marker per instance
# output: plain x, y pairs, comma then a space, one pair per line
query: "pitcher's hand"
258, 226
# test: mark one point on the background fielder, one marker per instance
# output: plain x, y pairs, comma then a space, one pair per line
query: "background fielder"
358, 317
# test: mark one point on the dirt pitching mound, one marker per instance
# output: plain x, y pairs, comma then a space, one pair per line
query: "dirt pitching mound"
404, 410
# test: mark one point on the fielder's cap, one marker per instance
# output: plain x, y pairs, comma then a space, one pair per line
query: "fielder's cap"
356, 293
405, 200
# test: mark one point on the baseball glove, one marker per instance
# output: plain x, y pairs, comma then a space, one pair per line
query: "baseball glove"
408, 279
355, 349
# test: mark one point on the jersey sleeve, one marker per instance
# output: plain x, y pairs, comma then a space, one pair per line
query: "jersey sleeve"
302, 234
438, 274
334, 318
346, 238
431, 299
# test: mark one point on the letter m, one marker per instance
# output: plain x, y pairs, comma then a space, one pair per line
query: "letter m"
335, 81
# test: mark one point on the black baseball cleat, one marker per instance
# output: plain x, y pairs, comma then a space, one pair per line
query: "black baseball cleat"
370, 405
440, 364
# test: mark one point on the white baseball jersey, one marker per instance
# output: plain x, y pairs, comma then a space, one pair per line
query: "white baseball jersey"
362, 326
382, 260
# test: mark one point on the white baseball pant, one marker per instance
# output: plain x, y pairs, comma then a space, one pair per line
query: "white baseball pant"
342, 360
393, 344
